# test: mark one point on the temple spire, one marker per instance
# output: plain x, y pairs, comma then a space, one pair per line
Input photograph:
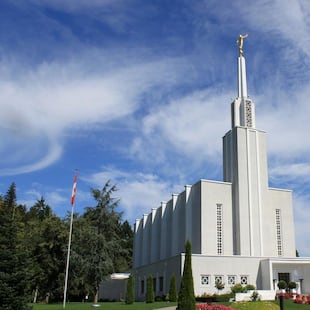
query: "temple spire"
242, 85
243, 109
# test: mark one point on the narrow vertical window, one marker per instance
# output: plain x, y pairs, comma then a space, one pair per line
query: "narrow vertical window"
279, 232
219, 228
142, 287
248, 113
161, 284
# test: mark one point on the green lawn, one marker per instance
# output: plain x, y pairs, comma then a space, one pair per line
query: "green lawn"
105, 305
288, 305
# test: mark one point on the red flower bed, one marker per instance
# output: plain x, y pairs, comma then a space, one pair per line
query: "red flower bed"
212, 307
302, 299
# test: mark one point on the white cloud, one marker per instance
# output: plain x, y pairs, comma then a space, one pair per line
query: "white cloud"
286, 18
41, 105
302, 214
192, 126
291, 171
286, 122
139, 192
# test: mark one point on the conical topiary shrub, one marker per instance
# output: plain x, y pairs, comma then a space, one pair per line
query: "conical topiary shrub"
149, 290
186, 300
173, 289
130, 298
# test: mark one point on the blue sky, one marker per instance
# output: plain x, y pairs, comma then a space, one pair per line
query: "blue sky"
139, 92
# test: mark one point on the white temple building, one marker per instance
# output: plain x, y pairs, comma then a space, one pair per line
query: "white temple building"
241, 230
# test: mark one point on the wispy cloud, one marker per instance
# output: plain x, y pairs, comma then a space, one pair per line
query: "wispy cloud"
41, 105
140, 192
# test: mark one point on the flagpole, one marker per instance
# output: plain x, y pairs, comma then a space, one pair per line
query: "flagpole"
70, 237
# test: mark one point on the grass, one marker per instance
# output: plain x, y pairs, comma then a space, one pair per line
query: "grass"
288, 305
104, 305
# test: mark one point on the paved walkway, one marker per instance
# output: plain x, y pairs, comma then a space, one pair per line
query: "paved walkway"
168, 308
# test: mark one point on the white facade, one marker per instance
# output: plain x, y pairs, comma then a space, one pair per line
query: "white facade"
241, 230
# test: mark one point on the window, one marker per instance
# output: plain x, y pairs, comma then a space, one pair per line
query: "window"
284, 276
248, 109
279, 232
244, 280
161, 284
218, 279
205, 280
219, 228
231, 280
142, 287
154, 284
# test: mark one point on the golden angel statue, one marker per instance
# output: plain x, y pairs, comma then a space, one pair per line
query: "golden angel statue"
240, 42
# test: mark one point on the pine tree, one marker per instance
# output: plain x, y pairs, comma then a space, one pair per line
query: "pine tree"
13, 288
186, 300
149, 290
130, 291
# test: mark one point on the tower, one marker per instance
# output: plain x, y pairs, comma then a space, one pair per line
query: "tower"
245, 166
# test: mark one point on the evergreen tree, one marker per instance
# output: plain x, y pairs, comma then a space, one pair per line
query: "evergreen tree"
13, 275
47, 237
173, 289
101, 238
130, 298
123, 261
149, 290
186, 300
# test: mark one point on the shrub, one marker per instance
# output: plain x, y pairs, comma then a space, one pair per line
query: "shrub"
149, 290
282, 285
250, 287
205, 297
292, 285
223, 297
173, 289
255, 296
186, 300
130, 291
237, 288
219, 285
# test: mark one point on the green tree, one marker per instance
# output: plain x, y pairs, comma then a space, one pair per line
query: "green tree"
130, 298
186, 300
149, 290
13, 272
39, 211
103, 243
173, 289
47, 237
123, 261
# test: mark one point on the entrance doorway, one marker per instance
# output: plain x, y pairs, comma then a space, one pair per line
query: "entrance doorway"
284, 276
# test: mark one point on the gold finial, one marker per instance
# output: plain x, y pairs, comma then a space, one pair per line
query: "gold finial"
240, 43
